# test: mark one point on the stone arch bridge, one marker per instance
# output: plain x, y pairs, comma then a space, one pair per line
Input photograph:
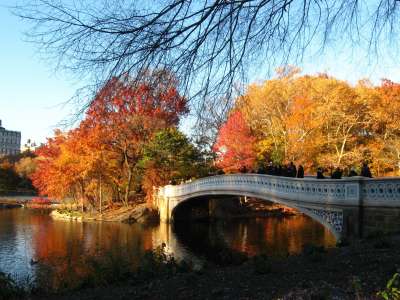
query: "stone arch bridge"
355, 206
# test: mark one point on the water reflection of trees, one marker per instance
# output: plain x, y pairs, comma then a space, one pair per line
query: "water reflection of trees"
272, 236
66, 249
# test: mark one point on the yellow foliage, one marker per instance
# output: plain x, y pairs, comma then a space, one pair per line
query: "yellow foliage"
323, 121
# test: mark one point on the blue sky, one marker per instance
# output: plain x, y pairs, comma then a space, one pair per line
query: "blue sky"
32, 93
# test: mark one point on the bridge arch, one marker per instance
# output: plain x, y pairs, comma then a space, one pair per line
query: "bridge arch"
308, 212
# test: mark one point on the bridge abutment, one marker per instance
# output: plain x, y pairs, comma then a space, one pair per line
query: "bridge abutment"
162, 204
380, 220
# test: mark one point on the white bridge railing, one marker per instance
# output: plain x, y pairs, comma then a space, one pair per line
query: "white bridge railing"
352, 191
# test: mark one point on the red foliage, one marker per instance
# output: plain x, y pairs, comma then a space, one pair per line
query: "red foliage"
120, 98
235, 145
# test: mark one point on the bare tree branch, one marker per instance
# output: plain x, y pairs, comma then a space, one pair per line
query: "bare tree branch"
211, 46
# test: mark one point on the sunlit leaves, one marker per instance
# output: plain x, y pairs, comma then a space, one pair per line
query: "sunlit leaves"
323, 121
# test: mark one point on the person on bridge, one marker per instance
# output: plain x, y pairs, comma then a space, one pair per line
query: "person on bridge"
365, 171
278, 170
285, 171
300, 172
243, 169
337, 174
353, 172
320, 173
292, 170
261, 169
270, 169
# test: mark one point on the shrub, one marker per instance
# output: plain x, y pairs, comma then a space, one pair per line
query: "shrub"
158, 262
314, 253
261, 264
392, 290
8, 288
382, 243
343, 243
311, 249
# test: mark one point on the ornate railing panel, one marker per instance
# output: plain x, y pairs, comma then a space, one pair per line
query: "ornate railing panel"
381, 191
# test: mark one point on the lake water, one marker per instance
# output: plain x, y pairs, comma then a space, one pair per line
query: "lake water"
30, 238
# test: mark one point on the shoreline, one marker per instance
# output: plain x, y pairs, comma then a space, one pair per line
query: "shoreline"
11, 205
127, 214
142, 214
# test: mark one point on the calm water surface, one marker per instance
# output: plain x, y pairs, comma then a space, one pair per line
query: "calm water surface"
29, 238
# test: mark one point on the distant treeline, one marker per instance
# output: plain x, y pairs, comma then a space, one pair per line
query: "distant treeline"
14, 174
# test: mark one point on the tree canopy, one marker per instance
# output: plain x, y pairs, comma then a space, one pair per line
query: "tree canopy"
169, 157
317, 121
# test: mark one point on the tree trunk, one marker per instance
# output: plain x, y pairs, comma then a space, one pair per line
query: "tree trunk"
82, 198
100, 195
128, 185
127, 189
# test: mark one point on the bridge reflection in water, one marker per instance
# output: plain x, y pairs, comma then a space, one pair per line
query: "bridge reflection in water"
349, 207
198, 242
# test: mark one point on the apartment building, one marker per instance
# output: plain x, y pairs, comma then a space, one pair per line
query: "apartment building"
10, 141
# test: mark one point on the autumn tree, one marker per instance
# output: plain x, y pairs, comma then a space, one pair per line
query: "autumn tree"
127, 115
302, 123
235, 145
90, 164
341, 121
100, 159
70, 165
25, 167
384, 126
48, 178
265, 108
